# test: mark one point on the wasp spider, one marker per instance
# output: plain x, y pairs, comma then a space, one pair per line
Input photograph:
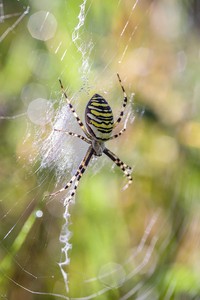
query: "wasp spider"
99, 126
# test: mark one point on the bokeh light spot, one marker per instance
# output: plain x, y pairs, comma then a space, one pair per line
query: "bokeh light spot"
40, 111
42, 25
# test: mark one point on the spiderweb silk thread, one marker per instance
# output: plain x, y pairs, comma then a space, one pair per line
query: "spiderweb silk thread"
85, 51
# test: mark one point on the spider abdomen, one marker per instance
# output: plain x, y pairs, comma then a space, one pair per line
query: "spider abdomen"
99, 118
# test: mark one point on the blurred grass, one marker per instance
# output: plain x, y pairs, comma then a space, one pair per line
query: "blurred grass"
161, 66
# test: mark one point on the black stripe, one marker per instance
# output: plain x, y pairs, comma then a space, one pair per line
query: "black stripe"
104, 109
98, 100
97, 96
101, 108
100, 122
103, 130
102, 118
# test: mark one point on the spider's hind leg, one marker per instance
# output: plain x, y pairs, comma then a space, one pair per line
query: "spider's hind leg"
67, 185
76, 177
79, 173
125, 168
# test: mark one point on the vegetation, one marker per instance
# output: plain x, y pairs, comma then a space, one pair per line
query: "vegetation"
146, 238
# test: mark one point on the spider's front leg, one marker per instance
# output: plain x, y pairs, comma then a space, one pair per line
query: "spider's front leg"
125, 101
121, 131
80, 123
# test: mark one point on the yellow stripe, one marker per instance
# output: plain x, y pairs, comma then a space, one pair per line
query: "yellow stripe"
101, 114
99, 104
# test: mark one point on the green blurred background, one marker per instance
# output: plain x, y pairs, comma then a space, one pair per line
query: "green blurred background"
150, 232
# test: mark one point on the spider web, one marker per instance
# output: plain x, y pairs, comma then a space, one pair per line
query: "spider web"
126, 266
3, 17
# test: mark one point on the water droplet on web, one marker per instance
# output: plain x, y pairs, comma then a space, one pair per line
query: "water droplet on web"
39, 213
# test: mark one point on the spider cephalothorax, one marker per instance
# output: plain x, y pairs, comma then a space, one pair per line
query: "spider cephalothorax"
99, 126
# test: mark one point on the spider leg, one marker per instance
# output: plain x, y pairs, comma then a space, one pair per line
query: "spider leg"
77, 176
80, 172
125, 168
74, 134
66, 187
124, 103
73, 111
118, 134
121, 131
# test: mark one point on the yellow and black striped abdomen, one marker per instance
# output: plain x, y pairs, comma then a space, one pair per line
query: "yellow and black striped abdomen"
99, 118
